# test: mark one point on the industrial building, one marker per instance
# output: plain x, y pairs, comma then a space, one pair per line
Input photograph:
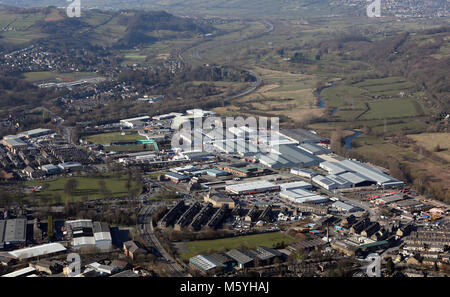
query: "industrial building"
134, 122
242, 258
304, 136
216, 172
176, 177
50, 169
14, 144
325, 182
246, 170
299, 195
344, 207
252, 187
205, 264
219, 200
314, 149
304, 172
288, 155
35, 133
295, 185
35, 251
13, 232
359, 174
70, 166
85, 233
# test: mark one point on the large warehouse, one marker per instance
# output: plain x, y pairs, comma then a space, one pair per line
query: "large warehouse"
289, 155
252, 187
298, 195
359, 174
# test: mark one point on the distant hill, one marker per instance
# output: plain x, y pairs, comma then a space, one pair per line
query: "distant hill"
291, 9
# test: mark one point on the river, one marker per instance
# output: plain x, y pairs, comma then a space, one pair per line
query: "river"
321, 103
349, 139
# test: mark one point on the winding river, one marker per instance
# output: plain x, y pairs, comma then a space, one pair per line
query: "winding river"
321, 102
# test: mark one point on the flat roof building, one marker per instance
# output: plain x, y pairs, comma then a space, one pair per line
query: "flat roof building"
35, 133
252, 187
205, 264
13, 232
176, 177
314, 149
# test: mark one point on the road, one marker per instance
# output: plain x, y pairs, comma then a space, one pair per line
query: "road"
257, 81
147, 233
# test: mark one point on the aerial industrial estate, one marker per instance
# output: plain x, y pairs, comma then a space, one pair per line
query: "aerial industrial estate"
295, 210
211, 141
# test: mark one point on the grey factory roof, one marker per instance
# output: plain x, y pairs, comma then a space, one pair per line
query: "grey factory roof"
303, 171
101, 231
220, 258
370, 172
20, 272
343, 206
334, 167
176, 175
15, 230
354, 177
30, 133
264, 249
204, 263
301, 196
49, 167
302, 135
362, 172
79, 224
323, 180
69, 165
295, 185
15, 142
297, 156
341, 182
251, 186
36, 251
314, 148
240, 256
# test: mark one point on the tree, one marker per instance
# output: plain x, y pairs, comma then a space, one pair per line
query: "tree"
390, 266
50, 228
70, 186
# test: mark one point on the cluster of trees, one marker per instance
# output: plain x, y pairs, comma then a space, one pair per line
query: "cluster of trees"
139, 23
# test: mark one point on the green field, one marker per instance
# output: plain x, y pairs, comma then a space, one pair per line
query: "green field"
87, 186
47, 75
248, 241
389, 86
396, 108
130, 148
106, 138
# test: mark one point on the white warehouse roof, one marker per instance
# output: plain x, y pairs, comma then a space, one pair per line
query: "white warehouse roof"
236, 188
36, 251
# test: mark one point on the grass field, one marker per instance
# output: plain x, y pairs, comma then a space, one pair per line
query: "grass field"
130, 148
248, 241
431, 140
47, 75
283, 94
87, 186
396, 108
106, 138
389, 86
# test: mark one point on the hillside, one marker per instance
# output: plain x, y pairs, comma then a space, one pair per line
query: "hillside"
290, 9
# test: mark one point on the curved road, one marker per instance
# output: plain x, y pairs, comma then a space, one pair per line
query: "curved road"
147, 233
195, 53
